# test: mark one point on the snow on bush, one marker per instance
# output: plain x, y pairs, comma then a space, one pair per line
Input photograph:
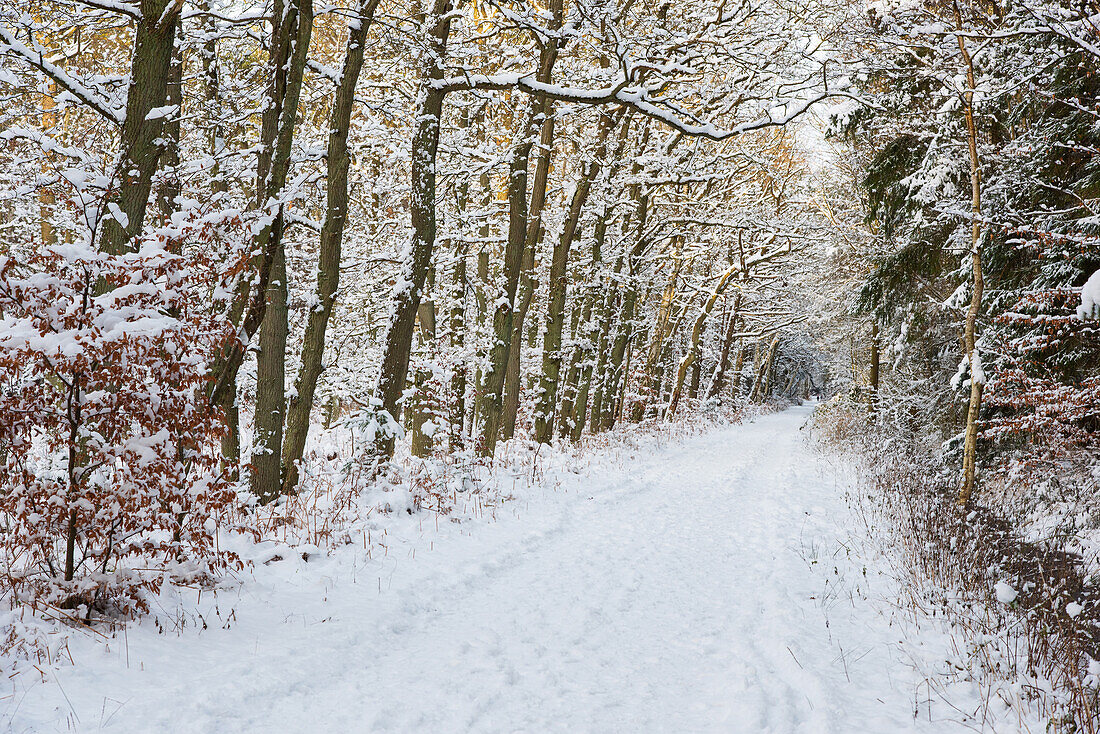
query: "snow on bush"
111, 480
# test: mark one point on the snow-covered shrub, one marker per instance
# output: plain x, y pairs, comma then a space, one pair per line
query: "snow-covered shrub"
839, 421
110, 477
1023, 609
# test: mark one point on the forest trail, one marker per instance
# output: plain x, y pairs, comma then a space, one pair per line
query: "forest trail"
705, 587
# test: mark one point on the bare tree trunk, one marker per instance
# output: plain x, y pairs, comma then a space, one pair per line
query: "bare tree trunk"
727, 343
211, 83
619, 366
46, 197
580, 405
692, 356
460, 287
620, 403
874, 367
572, 374
332, 234
738, 367
700, 322
211, 87
406, 299
140, 149
492, 387
606, 289
555, 310
693, 390
662, 328
73, 415
458, 341
603, 353
555, 320
170, 155
757, 366
504, 320
762, 381
970, 443
769, 369
481, 296
512, 386
422, 442
760, 358
617, 378
602, 319
457, 326
527, 280
663, 367
293, 28
266, 478
586, 362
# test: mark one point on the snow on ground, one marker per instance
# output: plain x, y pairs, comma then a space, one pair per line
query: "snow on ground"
705, 585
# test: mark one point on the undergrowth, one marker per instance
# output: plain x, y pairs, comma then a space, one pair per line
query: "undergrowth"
1023, 607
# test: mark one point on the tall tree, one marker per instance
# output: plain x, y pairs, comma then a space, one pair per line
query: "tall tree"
338, 161
292, 28
435, 28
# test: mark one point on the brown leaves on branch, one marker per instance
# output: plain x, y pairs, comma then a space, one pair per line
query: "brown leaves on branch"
107, 446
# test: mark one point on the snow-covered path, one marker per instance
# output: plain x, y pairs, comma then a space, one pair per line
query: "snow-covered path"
697, 589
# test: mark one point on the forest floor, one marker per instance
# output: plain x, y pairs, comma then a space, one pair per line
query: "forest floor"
713, 583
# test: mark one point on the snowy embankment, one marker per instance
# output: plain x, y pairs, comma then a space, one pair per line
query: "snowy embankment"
704, 585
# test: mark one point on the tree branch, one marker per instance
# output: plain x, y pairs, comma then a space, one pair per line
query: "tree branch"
13, 46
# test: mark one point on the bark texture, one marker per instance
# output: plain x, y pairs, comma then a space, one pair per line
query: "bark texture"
407, 295
141, 146
504, 318
558, 282
332, 235
292, 30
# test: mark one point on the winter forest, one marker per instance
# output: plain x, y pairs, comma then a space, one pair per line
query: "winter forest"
733, 365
